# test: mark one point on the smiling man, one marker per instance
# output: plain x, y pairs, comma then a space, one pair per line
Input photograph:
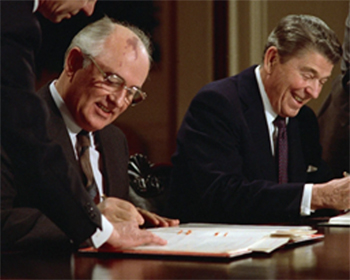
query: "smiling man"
230, 166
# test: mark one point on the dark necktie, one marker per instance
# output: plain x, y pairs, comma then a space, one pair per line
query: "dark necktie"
281, 150
85, 164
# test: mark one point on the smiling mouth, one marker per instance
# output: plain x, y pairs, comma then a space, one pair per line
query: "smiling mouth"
103, 108
297, 98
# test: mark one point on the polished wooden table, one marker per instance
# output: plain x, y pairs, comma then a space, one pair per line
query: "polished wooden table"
326, 259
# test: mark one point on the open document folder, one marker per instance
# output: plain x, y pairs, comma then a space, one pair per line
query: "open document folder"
225, 241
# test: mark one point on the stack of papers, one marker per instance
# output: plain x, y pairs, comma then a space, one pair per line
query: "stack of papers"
224, 241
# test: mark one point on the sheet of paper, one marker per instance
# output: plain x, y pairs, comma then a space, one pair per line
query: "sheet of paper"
340, 220
245, 227
205, 240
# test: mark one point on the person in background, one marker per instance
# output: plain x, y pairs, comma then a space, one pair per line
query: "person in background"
248, 149
29, 158
334, 115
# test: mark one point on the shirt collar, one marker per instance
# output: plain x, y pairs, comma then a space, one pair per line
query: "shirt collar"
269, 112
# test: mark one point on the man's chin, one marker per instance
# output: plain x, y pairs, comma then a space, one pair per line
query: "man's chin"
290, 113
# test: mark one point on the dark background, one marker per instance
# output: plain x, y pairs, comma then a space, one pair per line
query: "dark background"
57, 37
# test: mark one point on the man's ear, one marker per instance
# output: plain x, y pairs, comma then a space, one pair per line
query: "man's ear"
74, 61
271, 57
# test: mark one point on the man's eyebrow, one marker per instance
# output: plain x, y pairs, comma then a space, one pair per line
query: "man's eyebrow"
309, 69
313, 71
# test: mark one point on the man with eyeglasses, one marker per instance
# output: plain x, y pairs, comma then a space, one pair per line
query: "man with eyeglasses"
105, 68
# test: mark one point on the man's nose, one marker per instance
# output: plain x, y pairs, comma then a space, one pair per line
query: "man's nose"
120, 97
314, 88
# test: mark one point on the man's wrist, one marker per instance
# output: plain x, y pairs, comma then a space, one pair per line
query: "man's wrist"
101, 236
305, 207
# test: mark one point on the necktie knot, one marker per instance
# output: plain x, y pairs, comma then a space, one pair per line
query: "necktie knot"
83, 140
280, 122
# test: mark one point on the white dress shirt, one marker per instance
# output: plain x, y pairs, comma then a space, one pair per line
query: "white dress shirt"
100, 236
305, 207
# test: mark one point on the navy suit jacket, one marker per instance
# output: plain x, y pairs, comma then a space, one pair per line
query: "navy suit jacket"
224, 170
28, 226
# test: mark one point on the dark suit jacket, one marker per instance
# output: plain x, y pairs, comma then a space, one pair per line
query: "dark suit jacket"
40, 230
28, 155
223, 167
333, 119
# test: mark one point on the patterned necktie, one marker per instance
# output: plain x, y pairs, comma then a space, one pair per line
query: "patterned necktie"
85, 164
282, 149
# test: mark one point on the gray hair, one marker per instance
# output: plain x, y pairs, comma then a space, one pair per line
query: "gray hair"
297, 33
91, 39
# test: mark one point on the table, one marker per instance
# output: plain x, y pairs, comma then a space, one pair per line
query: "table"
326, 259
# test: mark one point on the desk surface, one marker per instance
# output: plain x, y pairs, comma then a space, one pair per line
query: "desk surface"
326, 259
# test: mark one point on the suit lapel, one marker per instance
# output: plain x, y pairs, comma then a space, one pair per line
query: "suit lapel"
111, 164
253, 112
56, 127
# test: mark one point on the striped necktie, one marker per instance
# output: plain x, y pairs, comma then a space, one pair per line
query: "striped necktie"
85, 164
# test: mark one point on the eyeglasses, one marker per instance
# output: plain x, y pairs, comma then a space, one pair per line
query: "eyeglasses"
134, 94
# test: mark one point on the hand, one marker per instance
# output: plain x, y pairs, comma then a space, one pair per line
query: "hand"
118, 210
334, 194
152, 219
128, 234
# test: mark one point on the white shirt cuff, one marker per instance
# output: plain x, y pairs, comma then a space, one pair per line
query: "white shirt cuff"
101, 236
36, 5
305, 207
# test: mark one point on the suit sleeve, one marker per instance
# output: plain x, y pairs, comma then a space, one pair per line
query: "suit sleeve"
24, 227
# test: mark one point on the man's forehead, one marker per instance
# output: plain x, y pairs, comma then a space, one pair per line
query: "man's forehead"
124, 40
314, 62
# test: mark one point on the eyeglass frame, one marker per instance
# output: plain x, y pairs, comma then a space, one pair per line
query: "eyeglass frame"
122, 85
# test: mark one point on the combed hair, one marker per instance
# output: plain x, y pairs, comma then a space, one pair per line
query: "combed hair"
297, 33
92, 38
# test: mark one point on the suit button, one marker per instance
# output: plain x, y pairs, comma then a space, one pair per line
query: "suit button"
90, 210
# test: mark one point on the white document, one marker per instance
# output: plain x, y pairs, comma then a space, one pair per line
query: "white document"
224, 241
341, 220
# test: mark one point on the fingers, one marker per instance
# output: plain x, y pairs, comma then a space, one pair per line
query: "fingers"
150, 218
166, 222
117, 210
153, 219
128, 234
172, 222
